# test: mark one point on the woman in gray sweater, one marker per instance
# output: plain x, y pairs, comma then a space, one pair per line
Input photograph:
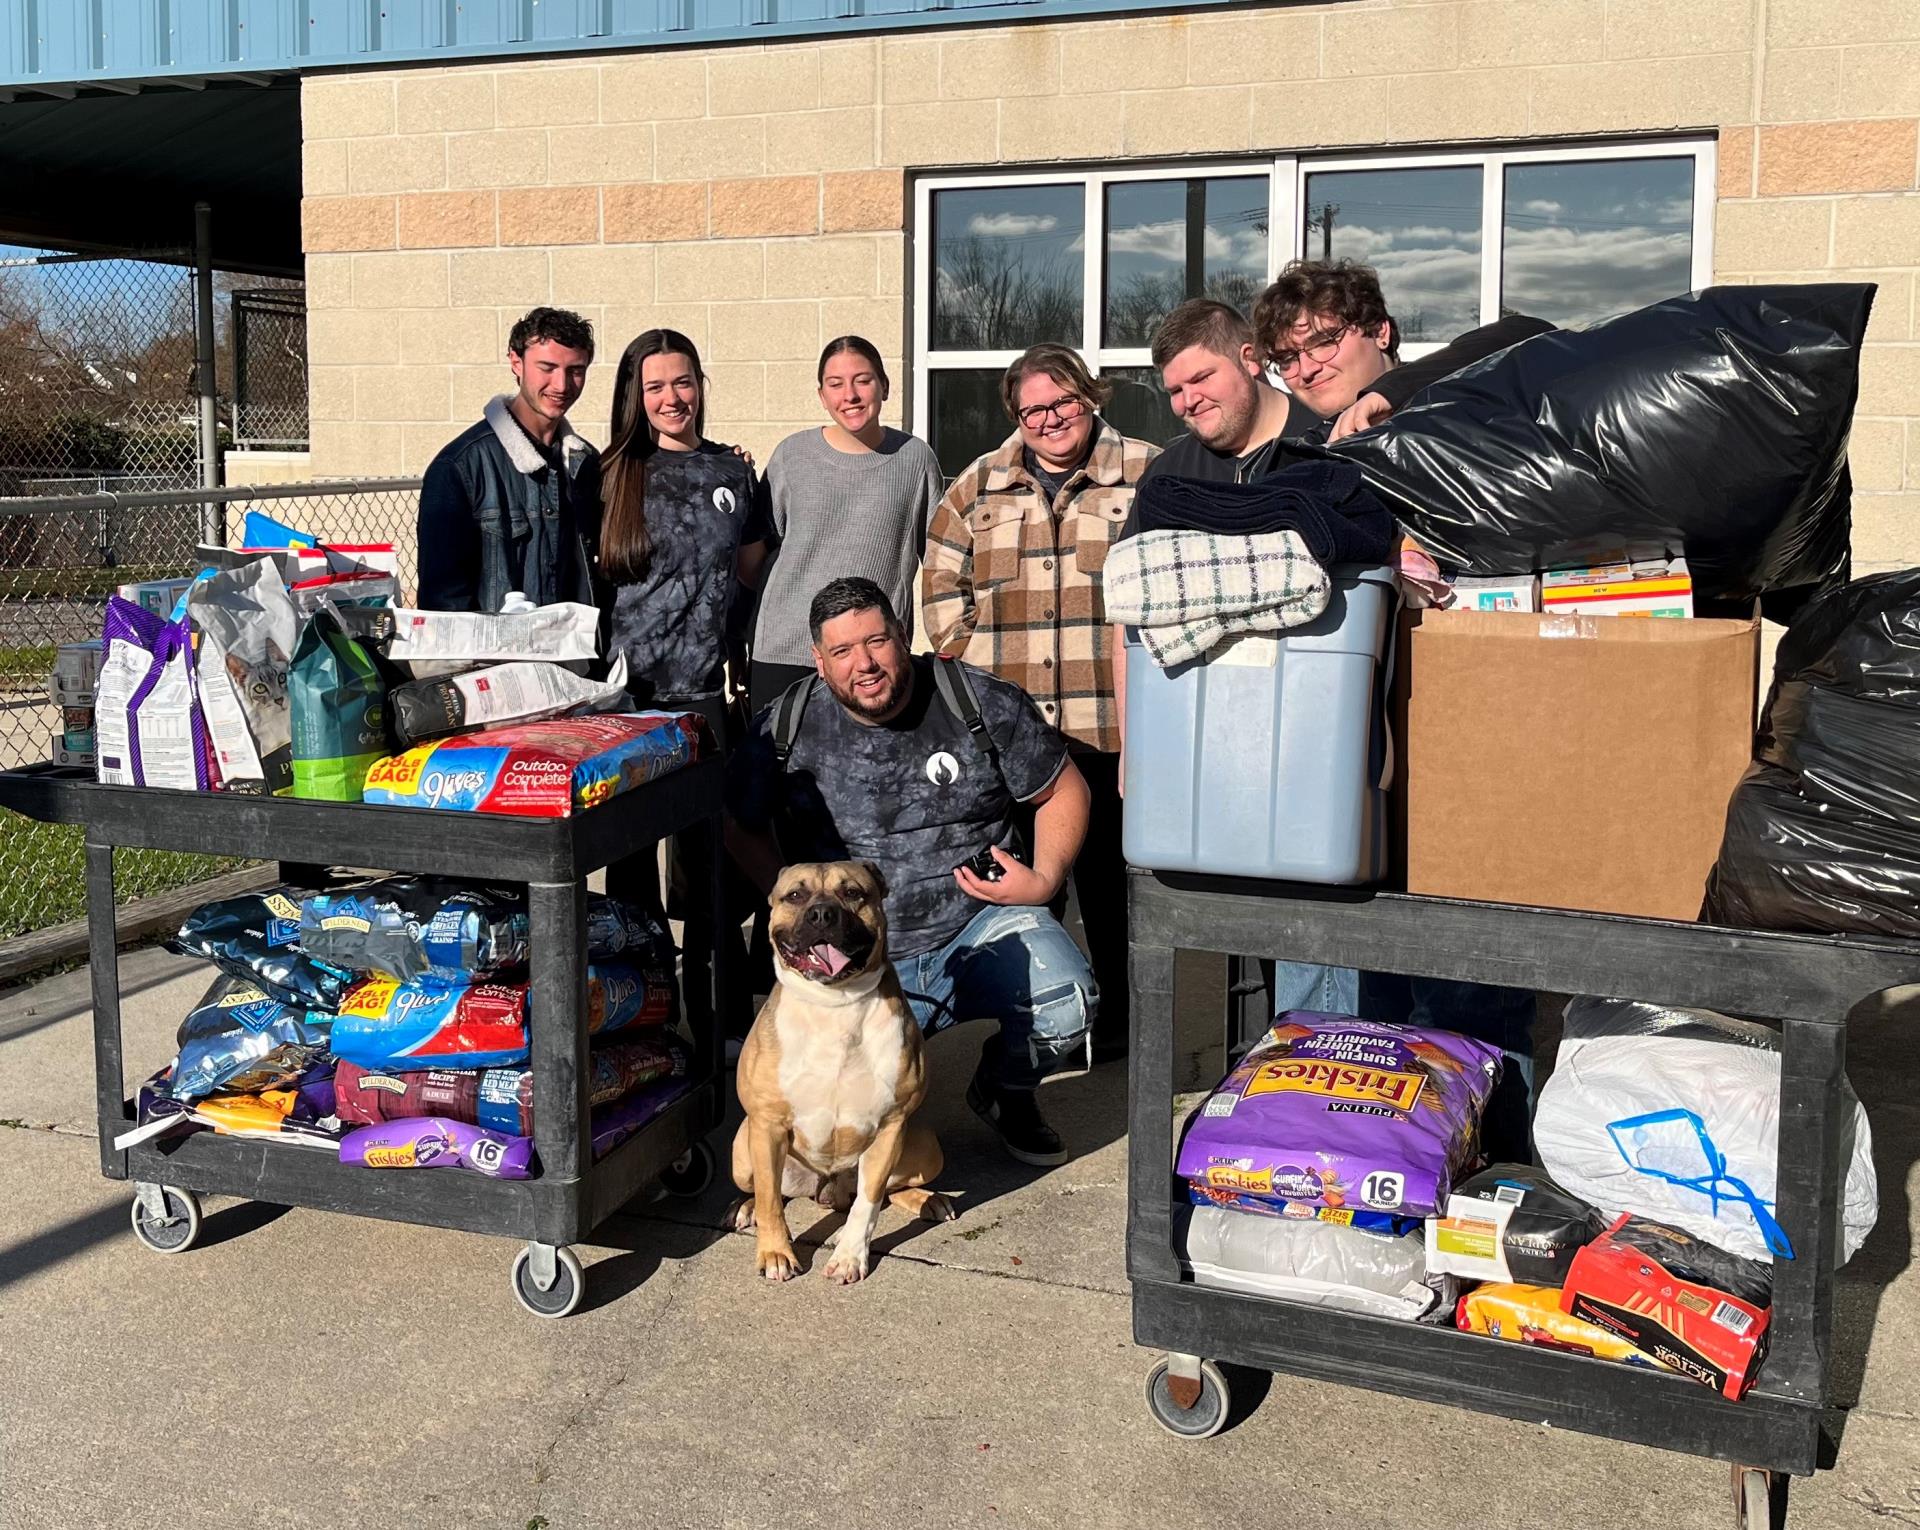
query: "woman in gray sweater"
851, 497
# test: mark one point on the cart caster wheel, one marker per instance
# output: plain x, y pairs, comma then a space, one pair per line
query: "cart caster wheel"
691, 1173
1207, 1415
1752, 1498
559, 1299
174, 1232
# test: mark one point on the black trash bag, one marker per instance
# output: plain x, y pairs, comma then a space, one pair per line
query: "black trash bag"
1823, 832
1713, 425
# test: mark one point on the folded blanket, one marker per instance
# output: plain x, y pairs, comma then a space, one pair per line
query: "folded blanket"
1326, 502
1189, 591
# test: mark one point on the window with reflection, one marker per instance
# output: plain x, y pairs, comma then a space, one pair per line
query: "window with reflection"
1167, 241
1420, 229
1009, 266
1583, 240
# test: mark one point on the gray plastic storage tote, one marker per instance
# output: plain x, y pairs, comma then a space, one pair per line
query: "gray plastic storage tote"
1270, 758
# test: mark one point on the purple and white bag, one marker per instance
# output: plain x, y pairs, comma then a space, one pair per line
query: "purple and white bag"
1338, 1112
150, 729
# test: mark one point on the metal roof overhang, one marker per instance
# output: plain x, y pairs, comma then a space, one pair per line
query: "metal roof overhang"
120, 168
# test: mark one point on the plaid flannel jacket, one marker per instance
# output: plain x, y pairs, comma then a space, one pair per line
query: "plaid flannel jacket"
1187, 592
1012, 583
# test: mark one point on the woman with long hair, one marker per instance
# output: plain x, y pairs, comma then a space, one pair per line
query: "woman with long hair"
851, 497
683, 537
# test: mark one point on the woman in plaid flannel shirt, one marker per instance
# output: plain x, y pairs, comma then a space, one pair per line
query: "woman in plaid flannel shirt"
1011, 582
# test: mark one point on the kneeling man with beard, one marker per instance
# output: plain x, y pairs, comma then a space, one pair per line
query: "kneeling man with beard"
928, 768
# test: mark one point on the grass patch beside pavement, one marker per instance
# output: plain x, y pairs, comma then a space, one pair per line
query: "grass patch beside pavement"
43, 873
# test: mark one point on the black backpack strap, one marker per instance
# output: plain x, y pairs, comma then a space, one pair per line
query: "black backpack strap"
788, 708
956, 692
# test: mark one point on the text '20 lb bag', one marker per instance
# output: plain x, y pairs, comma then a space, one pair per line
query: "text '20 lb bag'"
1714, 424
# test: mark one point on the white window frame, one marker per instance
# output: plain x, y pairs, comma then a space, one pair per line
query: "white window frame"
1287, 180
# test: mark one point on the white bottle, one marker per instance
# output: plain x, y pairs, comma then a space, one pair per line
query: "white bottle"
516, 604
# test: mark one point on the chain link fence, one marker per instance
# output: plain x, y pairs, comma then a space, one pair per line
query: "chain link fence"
60, 558
268, 325
97, 372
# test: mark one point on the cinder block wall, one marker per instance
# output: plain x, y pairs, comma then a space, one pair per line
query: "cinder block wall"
755, 197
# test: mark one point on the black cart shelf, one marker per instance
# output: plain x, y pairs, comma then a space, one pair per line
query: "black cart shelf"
572, 1194
1809, 984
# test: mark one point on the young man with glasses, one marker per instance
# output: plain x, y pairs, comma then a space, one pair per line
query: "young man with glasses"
1011, 583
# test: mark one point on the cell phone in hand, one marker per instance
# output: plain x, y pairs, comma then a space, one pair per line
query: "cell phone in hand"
984, 866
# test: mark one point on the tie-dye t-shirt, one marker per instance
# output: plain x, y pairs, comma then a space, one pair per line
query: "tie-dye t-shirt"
916, 795
671, 624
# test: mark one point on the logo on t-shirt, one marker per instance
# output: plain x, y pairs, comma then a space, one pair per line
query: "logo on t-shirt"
942, 768
723, 501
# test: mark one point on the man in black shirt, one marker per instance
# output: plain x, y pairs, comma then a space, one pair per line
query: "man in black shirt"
880, 767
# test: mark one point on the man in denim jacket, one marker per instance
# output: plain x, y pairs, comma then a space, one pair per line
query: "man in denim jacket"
514, 502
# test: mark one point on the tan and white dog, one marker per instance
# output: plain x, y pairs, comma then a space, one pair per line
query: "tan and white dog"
830, 1075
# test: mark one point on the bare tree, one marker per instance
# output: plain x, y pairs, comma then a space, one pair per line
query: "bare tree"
991, 298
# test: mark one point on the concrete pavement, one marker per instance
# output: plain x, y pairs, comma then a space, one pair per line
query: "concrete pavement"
300, 1368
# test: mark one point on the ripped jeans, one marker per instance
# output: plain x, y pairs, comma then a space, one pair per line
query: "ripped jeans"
1018, 966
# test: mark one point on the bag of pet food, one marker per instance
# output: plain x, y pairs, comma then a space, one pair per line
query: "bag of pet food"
1695, 1308
1511, 1223
409, 927
396, 1027
239, 1040
528, 691
150, 730
256, 937
565, 630
538, 770
1321, 1263
1523, 1314
368, 1096
505, 1095
338, 698
248, 629
1299, 1211
433, 1142
617, 929
359, 589
1339, 1112
621, 995
614, 1124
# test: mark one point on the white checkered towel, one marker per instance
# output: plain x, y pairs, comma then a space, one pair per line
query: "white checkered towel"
1189, 591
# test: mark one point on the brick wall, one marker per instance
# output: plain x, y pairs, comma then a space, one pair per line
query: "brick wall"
755, 197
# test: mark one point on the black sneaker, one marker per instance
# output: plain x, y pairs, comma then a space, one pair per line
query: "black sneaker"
1015, 1115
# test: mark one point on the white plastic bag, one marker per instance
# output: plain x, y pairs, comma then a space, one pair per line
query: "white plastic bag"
1320, 1263
1674, 1114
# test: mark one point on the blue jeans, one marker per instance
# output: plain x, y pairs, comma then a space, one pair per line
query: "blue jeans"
1018, 966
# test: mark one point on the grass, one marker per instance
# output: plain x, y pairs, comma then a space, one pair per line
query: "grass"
43, 877
34, 662
82, 583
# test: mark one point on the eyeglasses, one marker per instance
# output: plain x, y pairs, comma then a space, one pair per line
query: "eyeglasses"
1062, 409
1319, 347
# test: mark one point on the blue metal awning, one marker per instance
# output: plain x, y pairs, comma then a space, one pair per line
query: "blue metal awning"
61, 45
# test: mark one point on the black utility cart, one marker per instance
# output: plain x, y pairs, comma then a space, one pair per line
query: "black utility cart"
571, 1194
1809, 984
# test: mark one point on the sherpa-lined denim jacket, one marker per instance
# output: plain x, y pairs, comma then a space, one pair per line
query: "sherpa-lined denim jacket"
496, 515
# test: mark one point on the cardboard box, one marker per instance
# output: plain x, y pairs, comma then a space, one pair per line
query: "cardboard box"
1570, 761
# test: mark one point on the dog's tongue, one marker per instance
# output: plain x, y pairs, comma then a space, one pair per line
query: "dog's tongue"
834, 958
